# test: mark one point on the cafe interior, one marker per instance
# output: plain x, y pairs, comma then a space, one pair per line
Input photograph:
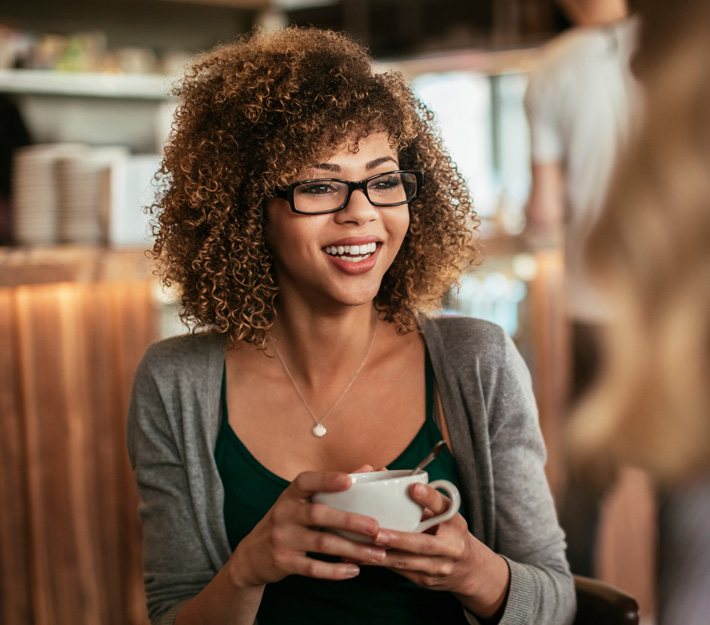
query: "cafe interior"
91, 82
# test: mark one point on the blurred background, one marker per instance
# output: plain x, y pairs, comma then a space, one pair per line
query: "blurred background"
85, 107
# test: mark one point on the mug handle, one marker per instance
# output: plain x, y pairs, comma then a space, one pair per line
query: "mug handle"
453, 508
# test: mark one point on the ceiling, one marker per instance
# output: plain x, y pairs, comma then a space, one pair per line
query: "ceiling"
390, 28
404, 27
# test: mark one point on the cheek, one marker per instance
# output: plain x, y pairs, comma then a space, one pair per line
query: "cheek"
272, 212
290, 235
400, 226
281, 228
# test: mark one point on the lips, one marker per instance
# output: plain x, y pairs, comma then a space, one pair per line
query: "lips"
354, 257
351, 253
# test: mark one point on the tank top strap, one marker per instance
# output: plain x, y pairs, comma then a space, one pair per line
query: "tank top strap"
223, 413
429, 384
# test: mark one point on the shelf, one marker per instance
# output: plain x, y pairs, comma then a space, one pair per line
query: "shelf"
47, 82
489, 62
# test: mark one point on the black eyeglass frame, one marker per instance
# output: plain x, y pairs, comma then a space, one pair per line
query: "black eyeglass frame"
287, 192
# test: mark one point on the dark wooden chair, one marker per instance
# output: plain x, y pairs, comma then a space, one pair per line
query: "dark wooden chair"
599, 603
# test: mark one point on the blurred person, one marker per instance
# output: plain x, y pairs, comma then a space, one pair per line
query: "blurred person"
13, 135
309, 214
650, 253
580, 102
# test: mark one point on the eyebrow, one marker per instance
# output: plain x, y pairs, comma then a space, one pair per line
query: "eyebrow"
371, 165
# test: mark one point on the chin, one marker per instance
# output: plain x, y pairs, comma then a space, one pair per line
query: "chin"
358, 297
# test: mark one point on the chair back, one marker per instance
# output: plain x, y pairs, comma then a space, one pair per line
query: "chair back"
599, 603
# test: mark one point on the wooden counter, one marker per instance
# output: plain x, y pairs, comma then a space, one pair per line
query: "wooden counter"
74, 323
72, 263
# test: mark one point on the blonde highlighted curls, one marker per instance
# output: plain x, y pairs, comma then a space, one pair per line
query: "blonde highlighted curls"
253, 114
650, 251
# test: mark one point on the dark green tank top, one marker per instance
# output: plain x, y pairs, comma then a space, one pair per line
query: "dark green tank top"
376, 595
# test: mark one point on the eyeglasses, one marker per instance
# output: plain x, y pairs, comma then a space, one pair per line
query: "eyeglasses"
330, 195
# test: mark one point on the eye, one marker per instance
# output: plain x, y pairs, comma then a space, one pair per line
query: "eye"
385, 182
319, 187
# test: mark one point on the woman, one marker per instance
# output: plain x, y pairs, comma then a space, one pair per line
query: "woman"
308, 215
651, 254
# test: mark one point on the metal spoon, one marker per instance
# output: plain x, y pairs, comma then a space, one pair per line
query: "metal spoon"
429, 457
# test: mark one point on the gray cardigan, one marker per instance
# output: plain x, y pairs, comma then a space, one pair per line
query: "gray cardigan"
490, 411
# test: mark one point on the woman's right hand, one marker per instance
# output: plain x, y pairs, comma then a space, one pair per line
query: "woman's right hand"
281, 542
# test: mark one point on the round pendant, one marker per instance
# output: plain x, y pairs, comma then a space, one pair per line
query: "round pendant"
319, 430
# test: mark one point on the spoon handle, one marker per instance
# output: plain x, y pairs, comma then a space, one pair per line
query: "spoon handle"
430, 456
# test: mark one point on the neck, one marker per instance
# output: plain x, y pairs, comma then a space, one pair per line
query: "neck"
317, 345
598, 13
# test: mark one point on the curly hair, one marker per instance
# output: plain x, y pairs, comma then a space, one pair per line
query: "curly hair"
251, 115
650, 252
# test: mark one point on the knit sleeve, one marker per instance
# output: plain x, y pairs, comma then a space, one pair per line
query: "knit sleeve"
176, 565
528, 535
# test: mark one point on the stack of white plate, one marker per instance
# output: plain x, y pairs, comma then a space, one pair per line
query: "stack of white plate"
84, 189
35, 201
132, 191
75, 193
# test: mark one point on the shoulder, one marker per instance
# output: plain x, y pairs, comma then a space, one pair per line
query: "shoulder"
568, 55
455, 327
177, 378
478, 362
185, 354
576, 42
466, 339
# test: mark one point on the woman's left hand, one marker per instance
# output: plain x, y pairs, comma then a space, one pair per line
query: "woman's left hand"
447, 558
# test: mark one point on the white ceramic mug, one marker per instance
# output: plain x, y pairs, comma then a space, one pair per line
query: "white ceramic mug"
384, 496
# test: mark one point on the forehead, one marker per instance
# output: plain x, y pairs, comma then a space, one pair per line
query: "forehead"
359, 149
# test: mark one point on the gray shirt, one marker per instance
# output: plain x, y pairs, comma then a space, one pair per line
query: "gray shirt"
491, 415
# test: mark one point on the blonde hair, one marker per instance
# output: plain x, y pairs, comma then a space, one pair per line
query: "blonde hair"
651, 253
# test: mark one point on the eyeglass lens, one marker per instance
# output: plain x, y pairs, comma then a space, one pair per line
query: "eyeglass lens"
388, 189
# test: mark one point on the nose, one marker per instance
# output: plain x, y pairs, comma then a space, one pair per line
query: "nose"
358, 210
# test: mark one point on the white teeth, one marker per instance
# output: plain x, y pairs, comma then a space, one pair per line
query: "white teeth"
353, 253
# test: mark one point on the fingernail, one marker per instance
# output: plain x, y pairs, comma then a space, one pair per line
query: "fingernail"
419, 490
352, 570
377, 555
370, 527
382, 538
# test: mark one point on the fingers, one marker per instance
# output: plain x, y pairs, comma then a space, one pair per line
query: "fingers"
293, 541
414, 543
311, 482
297, 562
449, 541
328, 543
328, 570
283, 541
318, 515
298, 523
430, 498
368, 468
432, 561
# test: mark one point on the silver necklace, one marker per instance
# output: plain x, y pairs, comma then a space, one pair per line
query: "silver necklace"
319, 429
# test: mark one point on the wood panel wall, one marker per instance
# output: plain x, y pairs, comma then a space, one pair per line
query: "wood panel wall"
70, 545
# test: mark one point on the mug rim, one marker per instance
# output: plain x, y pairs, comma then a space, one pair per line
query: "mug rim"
372, 477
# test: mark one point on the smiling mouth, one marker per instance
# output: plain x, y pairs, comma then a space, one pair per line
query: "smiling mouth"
351, 253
